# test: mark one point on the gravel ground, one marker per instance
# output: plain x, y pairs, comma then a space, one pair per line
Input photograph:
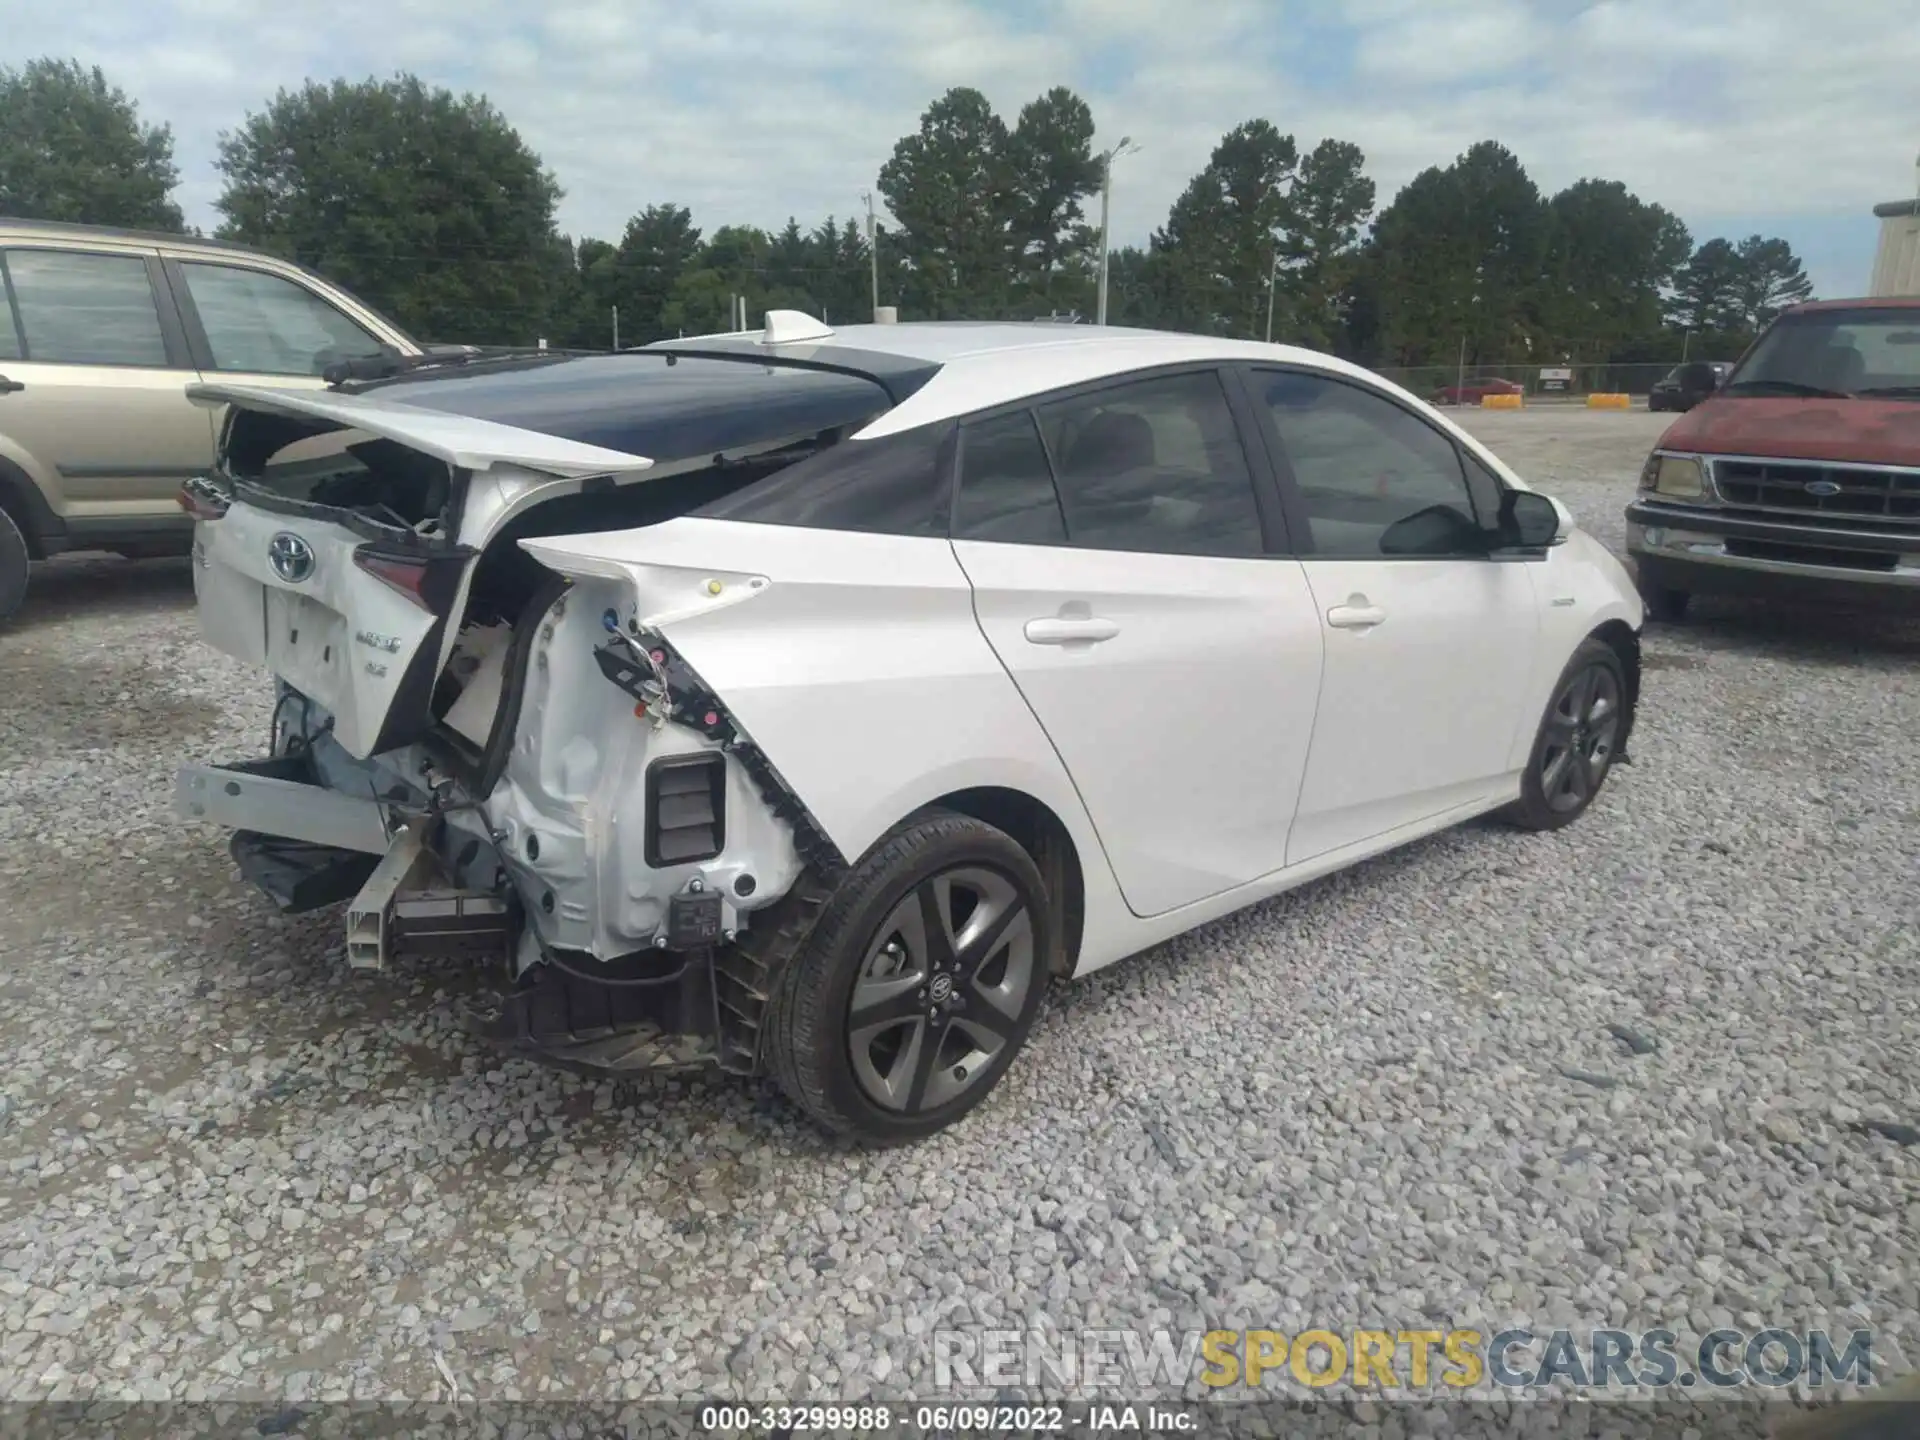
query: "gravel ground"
233, 1170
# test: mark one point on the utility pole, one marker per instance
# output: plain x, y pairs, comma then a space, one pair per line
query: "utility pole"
616, 327
873, 249
1125, 147
1273, 284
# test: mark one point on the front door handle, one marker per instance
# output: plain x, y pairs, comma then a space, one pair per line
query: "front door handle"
1065, 630
1356, 614
7, 387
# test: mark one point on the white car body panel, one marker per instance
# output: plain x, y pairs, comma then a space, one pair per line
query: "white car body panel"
463, 442
1418, 712
1186, 730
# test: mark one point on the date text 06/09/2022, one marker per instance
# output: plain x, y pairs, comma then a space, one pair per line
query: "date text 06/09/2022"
1157, 1418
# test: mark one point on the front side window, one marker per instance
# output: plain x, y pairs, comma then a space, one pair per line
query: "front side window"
1375, 479
267, 325
1156, 465
85, 309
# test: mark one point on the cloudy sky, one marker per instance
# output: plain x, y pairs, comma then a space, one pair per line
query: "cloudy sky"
1741, 115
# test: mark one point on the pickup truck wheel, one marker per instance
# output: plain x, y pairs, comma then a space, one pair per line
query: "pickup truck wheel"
1578, 740
14, 560
919, 984
1669, 607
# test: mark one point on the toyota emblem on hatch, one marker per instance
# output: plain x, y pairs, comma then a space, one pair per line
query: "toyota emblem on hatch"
290, 556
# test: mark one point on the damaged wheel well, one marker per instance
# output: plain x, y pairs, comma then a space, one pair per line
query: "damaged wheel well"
1039, 832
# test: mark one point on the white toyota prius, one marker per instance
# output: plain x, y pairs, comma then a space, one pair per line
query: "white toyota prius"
803, 701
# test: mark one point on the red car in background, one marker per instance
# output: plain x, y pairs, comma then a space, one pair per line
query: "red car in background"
1476, 389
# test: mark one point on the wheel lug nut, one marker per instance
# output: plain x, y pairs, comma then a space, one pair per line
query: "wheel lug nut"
959, 1072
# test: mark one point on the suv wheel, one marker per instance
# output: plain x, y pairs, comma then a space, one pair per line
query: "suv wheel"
918, 985
14, 560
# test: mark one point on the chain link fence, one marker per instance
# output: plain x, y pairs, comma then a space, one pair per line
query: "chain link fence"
1449, 384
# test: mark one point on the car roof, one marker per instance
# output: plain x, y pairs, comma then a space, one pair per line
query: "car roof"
16, 228
983, 364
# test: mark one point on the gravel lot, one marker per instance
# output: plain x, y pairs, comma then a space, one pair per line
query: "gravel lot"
231, 1169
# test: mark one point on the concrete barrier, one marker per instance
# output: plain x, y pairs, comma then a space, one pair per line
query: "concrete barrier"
1501, 402
1599, 401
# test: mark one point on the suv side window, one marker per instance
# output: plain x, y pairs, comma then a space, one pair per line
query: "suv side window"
9, 329
80, 308
1006, 485
268, 325
1156, 465
1376, 480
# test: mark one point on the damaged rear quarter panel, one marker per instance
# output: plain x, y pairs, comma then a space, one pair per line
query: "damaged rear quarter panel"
570, 811
858, 667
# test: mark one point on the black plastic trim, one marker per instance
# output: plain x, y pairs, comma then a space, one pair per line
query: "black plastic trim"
715, 764
45, 531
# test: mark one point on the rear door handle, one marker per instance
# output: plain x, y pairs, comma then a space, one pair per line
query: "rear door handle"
7, 387
1061, 630
1356, 614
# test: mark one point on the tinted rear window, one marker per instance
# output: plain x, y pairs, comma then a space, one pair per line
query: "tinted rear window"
895, 485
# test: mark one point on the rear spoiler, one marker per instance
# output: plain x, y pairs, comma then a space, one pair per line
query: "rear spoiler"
462, 441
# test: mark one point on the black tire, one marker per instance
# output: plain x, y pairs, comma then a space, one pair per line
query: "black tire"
1669, 607
14, 560
867, 938
1577, 743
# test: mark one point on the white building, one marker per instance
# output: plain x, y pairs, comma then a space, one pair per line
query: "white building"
1896, 269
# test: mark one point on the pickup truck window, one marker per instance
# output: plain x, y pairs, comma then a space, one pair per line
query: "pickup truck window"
1865, 351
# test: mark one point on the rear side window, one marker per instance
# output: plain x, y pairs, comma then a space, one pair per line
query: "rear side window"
894, 485
81, 309
1006, 486
1156, 465
268, 325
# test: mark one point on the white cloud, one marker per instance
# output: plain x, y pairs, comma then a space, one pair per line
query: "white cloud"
751, 110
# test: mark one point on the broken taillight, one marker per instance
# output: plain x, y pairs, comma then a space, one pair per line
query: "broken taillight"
201, 500
427, 580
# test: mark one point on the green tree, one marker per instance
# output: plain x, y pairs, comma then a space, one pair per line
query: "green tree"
659, 246
1612, 256
1459, 258
72, 148
1770, 279
949, 185
1051, 172
1707, 290
1214, 257
1327, 208
426, 203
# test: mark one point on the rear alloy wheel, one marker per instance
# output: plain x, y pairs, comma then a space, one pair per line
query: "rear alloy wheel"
14, 561
919, 984
1577, 743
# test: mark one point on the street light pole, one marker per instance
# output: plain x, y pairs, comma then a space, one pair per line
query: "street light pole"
1126, 146
873, 251
1273, 284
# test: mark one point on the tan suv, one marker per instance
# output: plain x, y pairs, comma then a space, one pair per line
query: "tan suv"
101, 331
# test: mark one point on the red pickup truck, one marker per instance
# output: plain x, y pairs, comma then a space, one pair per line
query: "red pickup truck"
1799, 477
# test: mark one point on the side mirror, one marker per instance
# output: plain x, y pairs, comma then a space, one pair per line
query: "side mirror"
1532, 521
